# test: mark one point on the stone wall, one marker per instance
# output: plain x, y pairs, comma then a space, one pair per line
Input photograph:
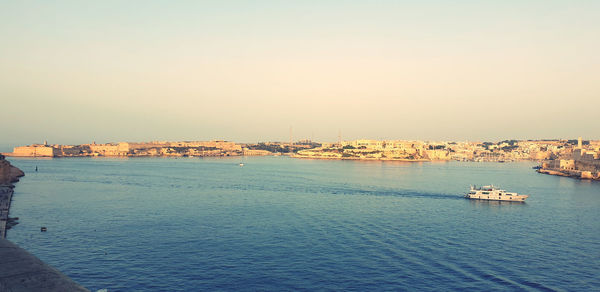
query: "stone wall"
35, 151
21, 271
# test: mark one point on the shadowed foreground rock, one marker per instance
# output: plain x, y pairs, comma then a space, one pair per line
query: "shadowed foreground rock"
21, 271
8, 173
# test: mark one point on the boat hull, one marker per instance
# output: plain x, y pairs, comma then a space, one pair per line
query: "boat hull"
507, 198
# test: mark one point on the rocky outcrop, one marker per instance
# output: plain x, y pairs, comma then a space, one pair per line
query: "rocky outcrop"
8, 173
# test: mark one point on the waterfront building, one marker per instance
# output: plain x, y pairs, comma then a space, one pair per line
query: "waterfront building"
35, 150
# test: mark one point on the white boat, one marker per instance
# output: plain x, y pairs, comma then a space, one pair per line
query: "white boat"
494, 194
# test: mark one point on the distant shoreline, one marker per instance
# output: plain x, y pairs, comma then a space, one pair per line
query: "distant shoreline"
141, 156
270, 155
363, 159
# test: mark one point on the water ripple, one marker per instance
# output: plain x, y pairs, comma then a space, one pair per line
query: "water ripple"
283, 224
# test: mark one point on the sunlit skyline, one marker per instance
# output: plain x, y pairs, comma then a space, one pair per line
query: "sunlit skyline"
74, 72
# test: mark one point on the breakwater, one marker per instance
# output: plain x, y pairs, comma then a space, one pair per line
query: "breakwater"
570, 173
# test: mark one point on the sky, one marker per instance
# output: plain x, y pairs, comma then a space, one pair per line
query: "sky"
74, 72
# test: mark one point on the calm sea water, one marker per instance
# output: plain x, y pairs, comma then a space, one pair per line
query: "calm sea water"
155, 224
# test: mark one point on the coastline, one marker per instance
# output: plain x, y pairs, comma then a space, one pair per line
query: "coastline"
8, 175
566, 173
360, 158
6, 193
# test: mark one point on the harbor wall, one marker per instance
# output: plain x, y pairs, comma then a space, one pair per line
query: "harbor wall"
21, 271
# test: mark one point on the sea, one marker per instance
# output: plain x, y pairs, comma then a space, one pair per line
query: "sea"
286, 224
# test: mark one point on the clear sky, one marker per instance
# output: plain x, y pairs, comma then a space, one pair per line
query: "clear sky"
78, 71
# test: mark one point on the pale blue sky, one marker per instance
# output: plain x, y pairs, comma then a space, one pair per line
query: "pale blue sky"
78, 71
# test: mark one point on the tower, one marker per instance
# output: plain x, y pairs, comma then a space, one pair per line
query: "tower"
579, 143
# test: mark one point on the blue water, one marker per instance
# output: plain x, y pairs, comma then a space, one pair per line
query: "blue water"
156, 224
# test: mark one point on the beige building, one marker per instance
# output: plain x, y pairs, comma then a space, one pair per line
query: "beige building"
35, 151
108, 149
251, 152
567, 164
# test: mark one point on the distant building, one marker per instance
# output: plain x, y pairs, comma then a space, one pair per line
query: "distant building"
35, 150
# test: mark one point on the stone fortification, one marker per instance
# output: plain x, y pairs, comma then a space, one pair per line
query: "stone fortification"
581, 163
35, 151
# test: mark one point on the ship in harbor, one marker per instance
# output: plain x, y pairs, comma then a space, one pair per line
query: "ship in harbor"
492, 193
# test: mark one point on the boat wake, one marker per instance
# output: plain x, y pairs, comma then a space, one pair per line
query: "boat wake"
337, 190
